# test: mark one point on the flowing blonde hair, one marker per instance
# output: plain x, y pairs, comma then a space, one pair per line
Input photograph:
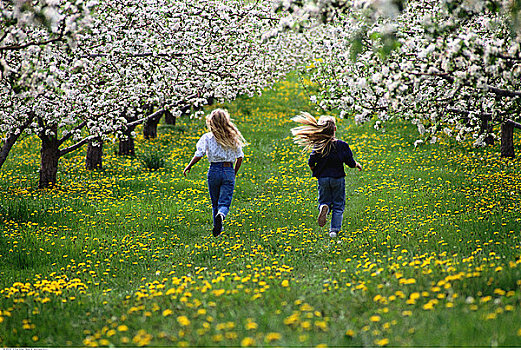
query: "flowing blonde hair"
317, 135
225, 132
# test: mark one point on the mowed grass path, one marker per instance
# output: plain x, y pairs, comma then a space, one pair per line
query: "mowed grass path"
429, 254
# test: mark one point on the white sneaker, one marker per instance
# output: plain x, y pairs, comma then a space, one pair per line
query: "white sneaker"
322, 214
332, 234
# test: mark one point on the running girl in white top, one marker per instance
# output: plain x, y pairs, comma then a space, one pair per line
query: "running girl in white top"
223, 146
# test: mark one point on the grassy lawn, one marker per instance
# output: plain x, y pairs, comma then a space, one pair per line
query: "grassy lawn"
429, 255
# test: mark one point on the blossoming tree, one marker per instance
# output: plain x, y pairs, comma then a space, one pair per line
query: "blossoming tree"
162, 53
29, 30
450, 65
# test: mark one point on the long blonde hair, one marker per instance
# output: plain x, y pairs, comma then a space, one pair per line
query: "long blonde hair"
225, 132
317, 135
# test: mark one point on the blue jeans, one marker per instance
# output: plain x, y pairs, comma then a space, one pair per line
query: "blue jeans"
221, 182
332, 192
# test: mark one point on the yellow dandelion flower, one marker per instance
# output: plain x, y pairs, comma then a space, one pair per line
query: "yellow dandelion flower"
428, 306
350, 333
247, 342
305, 325
183, 320
167, 312
218, 292
375, 318
251, 325
382, 342
272, 336
217, 337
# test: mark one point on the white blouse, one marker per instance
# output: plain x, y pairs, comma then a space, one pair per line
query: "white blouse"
208, 145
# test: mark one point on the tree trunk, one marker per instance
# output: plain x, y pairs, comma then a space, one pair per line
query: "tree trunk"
169, 118
50, 154
8, 144
507, 139
486, 128
12, 138
126, 143
93, 161
126, 147
150, 127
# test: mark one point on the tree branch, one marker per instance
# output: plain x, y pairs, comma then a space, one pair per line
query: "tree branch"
41, 124
150, 116
33, 43
495, 90
508, 58
70, 133
513, 123
12, 138
464, 112
137, 55
76, 146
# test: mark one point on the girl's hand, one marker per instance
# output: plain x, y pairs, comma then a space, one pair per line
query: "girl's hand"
189, 166
358, 166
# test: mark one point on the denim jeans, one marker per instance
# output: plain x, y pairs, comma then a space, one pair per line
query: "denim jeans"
221, 182
331, 191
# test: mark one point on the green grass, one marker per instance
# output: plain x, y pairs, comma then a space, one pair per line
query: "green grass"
429, 254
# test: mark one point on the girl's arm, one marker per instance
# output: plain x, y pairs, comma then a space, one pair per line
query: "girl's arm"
194, 160
238, 165
312, 161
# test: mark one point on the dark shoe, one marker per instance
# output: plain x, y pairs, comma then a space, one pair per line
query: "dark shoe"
322, 215
218, 225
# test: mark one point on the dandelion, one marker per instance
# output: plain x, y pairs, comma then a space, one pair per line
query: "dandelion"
375, 318
218, 292
382, 342
499, 291
183, 321
322, 325
247, 342
272, 336
167, 312
217, 337
306, 325
251, 325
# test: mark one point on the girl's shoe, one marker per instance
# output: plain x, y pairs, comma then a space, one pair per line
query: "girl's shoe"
322, 214
218, 225
333, 234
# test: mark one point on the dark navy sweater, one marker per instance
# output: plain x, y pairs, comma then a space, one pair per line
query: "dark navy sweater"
332, 164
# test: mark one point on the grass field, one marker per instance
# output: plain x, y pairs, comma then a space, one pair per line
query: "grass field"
429, 255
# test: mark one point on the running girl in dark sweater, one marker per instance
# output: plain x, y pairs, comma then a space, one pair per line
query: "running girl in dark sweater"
327, 159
